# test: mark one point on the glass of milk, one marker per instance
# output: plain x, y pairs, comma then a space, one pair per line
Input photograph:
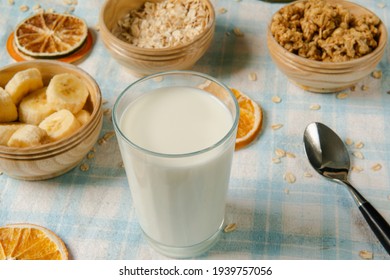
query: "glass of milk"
176, 132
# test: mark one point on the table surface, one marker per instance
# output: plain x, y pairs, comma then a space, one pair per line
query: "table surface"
313, 218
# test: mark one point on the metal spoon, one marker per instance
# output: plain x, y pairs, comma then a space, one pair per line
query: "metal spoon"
329, 157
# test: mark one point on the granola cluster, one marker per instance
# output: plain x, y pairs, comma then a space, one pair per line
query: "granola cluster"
164, 24
323, 31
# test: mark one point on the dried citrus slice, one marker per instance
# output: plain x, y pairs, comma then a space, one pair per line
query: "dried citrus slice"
50, 35
251, 119
30, 242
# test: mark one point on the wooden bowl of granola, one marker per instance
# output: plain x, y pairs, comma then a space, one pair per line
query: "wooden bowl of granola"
175, 39
320, 53
38, 156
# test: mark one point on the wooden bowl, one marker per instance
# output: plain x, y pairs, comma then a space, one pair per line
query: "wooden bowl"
145, 61
56, 158
317, 76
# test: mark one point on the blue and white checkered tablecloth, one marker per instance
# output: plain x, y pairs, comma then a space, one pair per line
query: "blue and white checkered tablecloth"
313, 218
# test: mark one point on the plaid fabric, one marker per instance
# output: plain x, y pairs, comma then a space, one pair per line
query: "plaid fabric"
310, 219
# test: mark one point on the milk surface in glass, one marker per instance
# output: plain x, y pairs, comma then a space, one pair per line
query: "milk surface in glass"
180, 200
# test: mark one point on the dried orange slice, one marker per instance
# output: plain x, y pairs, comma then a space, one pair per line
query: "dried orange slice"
30, 242
50, 35
251, 119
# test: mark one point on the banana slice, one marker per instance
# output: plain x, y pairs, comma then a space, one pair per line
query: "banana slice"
60, 125
8, 112
27, 136
83, 116
6, 131
34, 108
67, 91
24, 82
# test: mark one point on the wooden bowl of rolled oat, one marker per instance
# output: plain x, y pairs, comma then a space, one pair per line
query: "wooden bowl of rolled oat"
326, 46
149, 36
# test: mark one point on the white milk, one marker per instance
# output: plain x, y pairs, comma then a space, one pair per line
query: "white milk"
180, 200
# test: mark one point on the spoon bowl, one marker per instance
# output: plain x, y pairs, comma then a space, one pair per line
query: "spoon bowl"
326, 152
329, 156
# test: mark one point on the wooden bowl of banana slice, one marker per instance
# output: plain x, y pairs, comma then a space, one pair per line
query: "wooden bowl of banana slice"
50, 118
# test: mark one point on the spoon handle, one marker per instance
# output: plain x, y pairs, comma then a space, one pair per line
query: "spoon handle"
377, 223
374, 219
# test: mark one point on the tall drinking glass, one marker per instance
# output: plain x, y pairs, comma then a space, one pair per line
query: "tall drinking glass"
176, 132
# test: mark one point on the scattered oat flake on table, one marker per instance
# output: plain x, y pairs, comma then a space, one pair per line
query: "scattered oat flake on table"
237, 31
276, 99
349, 141
381, 5
289, 177
357, 169
222, 11
107, 111
376, 167
11, 2
252, 76
230, 227
290, 155
70, 2
84, 167
342, 95
276, 126
90, 155
280, 153
377, 74
358, 155
276, 160
24, 8
307, 175
364, 87
108, 135
359, 145
315, 107
366, 255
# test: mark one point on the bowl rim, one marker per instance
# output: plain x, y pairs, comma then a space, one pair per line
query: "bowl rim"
294, 57
111, 37
72, 139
